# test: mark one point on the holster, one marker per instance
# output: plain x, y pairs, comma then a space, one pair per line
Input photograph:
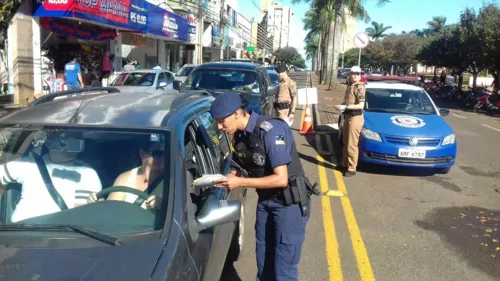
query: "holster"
298, 191
282, 105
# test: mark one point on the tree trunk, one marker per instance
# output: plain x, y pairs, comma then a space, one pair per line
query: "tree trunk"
319, 54
460, 79
337, 37
330, 66
324, 63
313, 63
474, 79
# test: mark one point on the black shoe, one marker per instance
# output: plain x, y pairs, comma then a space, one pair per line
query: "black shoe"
349, 174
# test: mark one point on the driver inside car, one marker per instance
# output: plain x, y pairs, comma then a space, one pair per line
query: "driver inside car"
143, 178
71, 178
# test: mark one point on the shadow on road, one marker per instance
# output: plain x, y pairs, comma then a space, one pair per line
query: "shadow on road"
229, 273
472, 232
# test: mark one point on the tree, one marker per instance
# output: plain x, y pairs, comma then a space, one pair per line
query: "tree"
436, 24
290, 55
8, 9
377, 31
488, 18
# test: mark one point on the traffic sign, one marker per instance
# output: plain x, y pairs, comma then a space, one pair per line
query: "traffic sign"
361, 40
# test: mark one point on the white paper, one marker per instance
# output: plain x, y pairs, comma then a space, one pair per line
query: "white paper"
307, 96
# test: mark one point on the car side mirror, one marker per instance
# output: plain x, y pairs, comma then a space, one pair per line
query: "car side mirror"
162, 85
272, 90
177, 85
444, 112
218, 212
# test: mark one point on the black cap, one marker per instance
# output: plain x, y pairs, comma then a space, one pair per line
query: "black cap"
281, 69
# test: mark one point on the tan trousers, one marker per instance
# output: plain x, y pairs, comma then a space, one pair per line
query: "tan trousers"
352, 130
282, 113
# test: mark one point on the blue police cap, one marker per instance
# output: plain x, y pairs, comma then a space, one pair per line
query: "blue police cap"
225, 105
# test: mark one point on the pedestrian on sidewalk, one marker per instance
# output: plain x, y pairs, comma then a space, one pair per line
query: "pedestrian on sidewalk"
354, 102
73, 75
286, 101
264, 146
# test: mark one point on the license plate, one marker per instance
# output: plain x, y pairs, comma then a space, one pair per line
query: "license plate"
411, 153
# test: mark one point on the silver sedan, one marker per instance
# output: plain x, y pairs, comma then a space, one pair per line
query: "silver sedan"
145, 80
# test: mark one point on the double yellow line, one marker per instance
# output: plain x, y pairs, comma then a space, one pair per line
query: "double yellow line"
332, 245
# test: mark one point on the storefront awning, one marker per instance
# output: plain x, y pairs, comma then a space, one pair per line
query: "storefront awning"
134, 15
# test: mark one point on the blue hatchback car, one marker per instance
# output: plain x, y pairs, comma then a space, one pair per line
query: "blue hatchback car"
403, 127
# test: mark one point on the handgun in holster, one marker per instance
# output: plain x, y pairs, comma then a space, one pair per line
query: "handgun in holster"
297, 192
282, 105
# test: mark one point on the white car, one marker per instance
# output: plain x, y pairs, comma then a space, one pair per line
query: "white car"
147, 80
183, 72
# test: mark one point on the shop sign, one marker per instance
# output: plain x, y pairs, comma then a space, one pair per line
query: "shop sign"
191, 19
167, 24
136, 15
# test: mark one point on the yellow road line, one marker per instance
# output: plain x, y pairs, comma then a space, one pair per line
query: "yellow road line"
365, 269
331, 242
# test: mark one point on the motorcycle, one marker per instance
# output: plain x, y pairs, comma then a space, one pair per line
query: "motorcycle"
489, 103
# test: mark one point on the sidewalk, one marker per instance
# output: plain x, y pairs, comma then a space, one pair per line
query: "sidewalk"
325, 114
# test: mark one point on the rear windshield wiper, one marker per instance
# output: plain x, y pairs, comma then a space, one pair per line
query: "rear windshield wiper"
108, 239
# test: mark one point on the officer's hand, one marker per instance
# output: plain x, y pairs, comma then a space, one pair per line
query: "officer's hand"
231, 182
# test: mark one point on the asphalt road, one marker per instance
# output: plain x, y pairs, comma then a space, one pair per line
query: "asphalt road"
398, 224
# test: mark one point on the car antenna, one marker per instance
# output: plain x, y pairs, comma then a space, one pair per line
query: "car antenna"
74, 118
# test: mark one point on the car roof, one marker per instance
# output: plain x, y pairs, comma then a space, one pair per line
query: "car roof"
392, 86
145, 70
121, 109
230, 65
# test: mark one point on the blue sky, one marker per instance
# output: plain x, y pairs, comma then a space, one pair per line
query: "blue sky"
402, 15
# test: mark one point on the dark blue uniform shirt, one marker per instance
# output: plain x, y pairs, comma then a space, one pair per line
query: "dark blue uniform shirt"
277, 141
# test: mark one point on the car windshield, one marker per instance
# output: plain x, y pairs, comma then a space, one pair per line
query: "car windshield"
184, 71
223, 79
47, 175
135, 79
400, 101
274, 77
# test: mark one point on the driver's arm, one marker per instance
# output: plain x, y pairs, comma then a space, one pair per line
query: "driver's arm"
121, 180
89, 186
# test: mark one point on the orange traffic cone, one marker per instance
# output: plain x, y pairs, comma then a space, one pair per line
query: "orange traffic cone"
307, 124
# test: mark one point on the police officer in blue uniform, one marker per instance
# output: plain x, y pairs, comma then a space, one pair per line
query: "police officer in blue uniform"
265, 148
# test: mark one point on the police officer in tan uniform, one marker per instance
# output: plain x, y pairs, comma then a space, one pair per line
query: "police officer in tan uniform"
286, 101
354, 102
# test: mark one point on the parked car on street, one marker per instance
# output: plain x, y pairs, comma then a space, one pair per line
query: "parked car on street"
57, 151
183, 72
145, 80
250, 80
403, 127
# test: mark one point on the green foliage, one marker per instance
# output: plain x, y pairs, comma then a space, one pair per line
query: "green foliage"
377, 31
8, 9
291, 56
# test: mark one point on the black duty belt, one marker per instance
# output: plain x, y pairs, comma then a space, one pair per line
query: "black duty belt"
353, 112
282, 105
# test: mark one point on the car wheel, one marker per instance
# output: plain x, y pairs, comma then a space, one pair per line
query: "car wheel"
237, 242
444, 170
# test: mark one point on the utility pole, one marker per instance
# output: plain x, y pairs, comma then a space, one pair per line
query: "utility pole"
281, 27
265, 37
201, 20
221, 26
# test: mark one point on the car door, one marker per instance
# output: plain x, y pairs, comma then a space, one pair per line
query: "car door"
218, 152
196, 163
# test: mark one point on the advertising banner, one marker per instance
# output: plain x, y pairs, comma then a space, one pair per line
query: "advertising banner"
135, 15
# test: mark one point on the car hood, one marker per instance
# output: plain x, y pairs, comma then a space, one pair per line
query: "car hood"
128, 262
406, 125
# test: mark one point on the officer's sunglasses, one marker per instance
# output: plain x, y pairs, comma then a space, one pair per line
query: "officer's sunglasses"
157, 153
355, 73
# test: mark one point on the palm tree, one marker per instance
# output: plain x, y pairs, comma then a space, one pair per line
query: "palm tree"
377, 31
436, 24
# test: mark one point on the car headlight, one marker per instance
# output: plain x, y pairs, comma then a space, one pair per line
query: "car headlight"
371, 135
449, 139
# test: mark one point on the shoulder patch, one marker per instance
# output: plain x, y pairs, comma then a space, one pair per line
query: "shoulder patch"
266, 125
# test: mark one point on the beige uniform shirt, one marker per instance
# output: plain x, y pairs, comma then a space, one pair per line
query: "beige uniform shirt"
355, 94
287, 90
